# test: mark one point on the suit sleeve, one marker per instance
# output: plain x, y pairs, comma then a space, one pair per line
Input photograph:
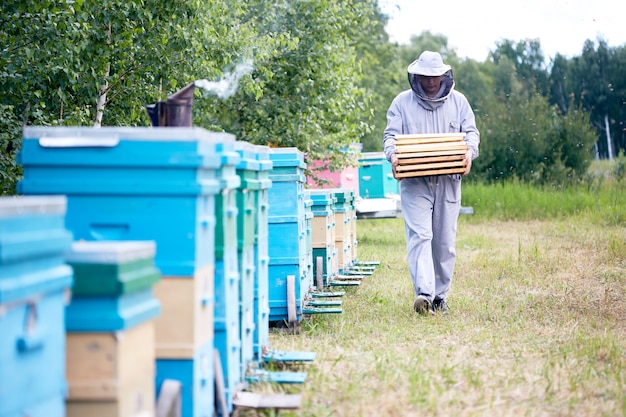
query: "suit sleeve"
468, 125
394, 127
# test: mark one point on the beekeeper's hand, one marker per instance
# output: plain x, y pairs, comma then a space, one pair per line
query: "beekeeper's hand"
468, 161
394, 164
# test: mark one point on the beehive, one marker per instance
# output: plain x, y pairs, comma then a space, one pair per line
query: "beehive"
34, 288
430, 154
111, 374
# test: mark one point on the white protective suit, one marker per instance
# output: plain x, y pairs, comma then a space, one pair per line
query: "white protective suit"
431, 205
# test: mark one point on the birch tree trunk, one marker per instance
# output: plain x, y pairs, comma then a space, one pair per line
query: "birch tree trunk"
102, 98
608, 136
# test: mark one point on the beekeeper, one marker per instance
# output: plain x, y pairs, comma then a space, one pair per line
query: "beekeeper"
431, 204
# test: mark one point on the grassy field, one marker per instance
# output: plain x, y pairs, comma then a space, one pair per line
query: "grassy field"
536, 327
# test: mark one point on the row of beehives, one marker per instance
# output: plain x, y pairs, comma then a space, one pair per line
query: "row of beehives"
175, 244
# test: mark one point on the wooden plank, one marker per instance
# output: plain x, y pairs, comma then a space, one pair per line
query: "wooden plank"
357, 264
328, 294
430, 172
431, 153
219, 383
321, 310
349, 276
438, 165
257, 400
415, 142
429, 159
439, 136
324, 303
319, 279
411, 141
169, 402
431, 147
277, 377
291, 357
344, 283
291, 298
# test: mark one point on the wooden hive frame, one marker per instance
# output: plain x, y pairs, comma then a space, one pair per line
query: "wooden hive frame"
430, 154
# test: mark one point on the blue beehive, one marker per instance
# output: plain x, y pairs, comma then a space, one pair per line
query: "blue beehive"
227, 321
343, 209
146, 184
247, 170
197, 380
134, 184
351, 207
33, 339
252, 204
288, 279
375, 176
110, 314
33, 235
308, 240
110, 327
261, 254
95, 308
323, 233
34, 284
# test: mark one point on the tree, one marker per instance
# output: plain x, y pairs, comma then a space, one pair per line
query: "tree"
311, 96
528, 61
558, 82
378, 64
527, 139
10, 130
598, 84
98, 63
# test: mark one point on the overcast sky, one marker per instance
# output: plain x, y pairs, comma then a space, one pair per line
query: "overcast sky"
473, 27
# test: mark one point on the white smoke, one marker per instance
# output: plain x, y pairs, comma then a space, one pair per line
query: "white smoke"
227, 86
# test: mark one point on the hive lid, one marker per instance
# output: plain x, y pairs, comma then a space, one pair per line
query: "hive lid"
109, 136
32, 205
287, 157
110, 252
372, 155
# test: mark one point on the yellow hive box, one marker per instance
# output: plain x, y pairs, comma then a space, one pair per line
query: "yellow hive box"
111, 374
187, 311
430, 154
321, 231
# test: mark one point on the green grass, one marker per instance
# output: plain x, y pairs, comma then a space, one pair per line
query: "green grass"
536, 324
601, 203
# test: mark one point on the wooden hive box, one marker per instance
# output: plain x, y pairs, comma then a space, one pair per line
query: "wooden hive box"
111, 374
430, 154
186, 321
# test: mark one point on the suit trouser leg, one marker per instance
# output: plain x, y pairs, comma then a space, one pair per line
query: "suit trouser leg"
445, 216
430, 207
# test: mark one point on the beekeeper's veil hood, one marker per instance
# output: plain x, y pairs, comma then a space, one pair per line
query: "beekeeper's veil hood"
430, 64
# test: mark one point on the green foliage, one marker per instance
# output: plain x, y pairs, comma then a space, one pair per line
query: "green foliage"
527, 59
379, 71
596, 81
311, 94
70, 60
619, 169
529, 140
322, 75
10, 171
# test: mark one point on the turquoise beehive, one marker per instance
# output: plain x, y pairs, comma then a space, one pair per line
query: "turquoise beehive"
34, 287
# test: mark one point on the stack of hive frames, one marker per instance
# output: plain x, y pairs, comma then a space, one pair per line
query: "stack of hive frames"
430, 154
